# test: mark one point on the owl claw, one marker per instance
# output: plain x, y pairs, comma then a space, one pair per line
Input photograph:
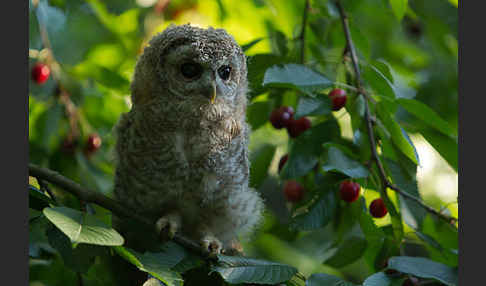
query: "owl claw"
212, 245
167, 226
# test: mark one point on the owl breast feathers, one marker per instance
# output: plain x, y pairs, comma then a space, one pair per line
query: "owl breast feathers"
182, 150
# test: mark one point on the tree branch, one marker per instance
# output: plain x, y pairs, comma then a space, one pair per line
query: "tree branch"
302, 32
369, 124
90, 196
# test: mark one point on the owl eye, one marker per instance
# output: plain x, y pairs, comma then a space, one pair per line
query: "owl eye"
191, 70
224, 72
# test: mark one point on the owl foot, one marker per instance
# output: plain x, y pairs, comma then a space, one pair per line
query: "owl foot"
234, 249
167, 226
212, 245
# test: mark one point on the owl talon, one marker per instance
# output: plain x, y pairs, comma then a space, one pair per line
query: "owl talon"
212, 245
167, 226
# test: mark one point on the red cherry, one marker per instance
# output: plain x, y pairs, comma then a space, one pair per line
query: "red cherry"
93, 143
296, 127
69, 145
281, 116
349, 191
378, 208
282, 162
293, 191
40, 73
338, 97
412, 281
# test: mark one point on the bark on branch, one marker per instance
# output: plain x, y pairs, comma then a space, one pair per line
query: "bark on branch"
91, 196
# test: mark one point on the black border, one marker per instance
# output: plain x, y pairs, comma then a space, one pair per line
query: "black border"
15, 82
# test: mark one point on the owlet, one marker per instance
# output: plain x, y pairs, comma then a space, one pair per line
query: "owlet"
182, 149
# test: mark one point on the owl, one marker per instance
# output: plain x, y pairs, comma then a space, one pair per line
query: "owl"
182, 149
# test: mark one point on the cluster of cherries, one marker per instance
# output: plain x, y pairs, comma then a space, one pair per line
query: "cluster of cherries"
282, 117
93, 144
348, 191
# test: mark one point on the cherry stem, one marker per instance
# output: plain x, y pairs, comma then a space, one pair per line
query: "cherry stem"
369, 123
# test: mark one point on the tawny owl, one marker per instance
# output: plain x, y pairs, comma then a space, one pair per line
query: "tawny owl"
182, 150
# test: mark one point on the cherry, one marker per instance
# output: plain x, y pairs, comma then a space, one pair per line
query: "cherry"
378, 208
349, 191
293, 191
93, 143
412, 281
40, 73
281, 116
69, 145
282, 162
296, 127
338, 97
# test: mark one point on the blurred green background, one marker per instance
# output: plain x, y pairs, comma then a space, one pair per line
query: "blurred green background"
95, 45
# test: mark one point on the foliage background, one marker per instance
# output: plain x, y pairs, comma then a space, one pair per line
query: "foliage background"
96, 44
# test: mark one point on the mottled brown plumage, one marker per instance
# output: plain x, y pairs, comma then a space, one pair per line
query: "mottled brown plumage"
182, 154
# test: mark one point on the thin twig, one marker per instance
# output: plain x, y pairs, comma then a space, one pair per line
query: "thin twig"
80, 279
45, 188
300, 276
369, 123
90, 196
302, 32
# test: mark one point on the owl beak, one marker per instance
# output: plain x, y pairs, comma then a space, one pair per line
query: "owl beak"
213, 92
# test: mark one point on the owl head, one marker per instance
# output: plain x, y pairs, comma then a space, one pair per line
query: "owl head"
191, 64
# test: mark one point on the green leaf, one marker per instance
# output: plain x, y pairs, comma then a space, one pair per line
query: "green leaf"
246, 47
257, 66
307, 106
223, 14
384, 68
399, 8
374, 236
92, 175
104, 76
258, 113
427, 115
356, 109
437, 251
237, 270
79, 259
306, 149
360, 42
348, 251
424, 268
444, 235
297, 77
378, 279
279, 43
50, 17
158, 264
187, 263
378, 82
338, 161
445, 146
51, 123
409, 185
397, 134
260, 161
38, 200
319, 214
82, 228
322, 279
